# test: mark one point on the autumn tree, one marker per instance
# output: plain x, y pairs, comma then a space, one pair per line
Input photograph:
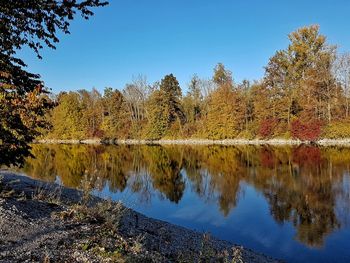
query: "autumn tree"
192, 102
311, 63
222, 76
299, 79
67, 117
116, 114
247, 104
341, 69
22, 94
225, 114
92, 109
304, 94
282, 91
135, 95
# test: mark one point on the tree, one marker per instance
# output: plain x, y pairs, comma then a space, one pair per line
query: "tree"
22, 94
136, 95
116, 119
164, 108
92, 110
279, 80
299, 79
221, 75
341, 70
67, 117
246, 95
224, 114
192, 103
171, 90
35, 23
311, 64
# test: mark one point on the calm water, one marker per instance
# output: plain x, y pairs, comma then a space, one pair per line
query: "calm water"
291, 203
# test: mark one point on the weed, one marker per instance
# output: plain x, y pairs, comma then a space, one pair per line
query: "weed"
46, 258
46, 193
206, 252
237, 255
86, 185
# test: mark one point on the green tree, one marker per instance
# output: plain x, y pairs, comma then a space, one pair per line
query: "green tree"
192, 102
164, 108
222, 76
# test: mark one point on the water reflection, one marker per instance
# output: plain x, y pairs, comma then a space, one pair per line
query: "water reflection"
308, 187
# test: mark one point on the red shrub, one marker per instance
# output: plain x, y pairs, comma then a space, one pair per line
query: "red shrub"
306, 131
266, 127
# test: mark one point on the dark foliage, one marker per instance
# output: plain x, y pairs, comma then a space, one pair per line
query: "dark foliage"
23, 97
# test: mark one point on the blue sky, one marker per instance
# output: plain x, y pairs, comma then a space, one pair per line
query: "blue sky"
183, 37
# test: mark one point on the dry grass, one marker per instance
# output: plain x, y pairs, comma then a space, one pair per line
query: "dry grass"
207, 253
49, 194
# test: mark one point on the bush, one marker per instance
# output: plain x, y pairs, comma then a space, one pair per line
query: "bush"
306, 131
337, 130
267, 127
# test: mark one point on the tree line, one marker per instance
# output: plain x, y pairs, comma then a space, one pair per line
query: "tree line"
304, 94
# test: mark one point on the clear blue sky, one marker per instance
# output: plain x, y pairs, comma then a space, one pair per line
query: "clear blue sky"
183, 37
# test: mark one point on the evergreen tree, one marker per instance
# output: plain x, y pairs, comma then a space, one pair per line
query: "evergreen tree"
164, 108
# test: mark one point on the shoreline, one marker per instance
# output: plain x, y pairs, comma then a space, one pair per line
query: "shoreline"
205, 142
35, 230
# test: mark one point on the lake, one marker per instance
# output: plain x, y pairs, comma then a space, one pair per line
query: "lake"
291, 203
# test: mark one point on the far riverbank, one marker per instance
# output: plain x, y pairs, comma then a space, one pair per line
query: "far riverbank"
275, 142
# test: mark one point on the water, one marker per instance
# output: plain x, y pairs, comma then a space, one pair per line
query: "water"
291, 203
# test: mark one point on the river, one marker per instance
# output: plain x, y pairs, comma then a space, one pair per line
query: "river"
291, 203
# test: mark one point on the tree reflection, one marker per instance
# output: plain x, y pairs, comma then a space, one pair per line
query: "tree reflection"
165, 169
303, 185
304, 197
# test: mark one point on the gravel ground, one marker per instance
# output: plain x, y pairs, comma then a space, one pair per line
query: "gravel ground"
41, 222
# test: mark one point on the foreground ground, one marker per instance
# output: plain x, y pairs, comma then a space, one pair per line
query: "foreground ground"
42, 222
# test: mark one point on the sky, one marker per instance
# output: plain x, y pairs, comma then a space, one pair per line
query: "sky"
183, 37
